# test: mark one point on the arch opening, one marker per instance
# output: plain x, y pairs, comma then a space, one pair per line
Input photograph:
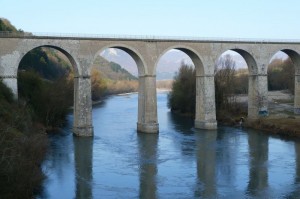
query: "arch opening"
119, 70
45, 84
114, 71
176, 73
192, 89
234, 85
283, 82
124, 55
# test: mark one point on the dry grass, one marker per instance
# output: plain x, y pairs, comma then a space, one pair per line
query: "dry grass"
164, 84
289, 126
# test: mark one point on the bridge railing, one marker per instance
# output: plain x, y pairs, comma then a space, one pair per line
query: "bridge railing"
8, 34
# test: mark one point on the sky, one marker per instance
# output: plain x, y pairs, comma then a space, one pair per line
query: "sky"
257, 19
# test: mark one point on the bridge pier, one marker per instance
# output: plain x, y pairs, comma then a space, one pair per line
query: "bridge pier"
147, 107
205, 117
82, 106
258, 96
297, 95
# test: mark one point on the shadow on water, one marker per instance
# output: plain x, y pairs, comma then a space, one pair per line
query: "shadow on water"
83, 152
182, 132
180, 123
147, 144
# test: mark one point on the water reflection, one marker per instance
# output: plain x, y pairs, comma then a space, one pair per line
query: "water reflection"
226, 151
147, 144
206, 161
83, 152
180, 162
296, 191
258, 168
182, 133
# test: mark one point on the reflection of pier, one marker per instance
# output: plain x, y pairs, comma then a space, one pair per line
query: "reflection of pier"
206, 161
83, 152
148, 165
258, 168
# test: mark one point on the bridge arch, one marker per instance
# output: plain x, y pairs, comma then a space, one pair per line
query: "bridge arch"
205, 115
82, 95
193, 54
295, 58
134, 53
147, 111
257, 100
75, 64
249, 59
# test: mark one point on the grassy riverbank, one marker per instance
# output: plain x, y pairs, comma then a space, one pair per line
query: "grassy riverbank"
280, 126
281, 119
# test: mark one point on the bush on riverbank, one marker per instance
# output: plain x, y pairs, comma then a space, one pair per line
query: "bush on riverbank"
48, 101
22, 148
182, 97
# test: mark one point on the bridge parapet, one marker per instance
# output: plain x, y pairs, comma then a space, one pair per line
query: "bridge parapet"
150, 38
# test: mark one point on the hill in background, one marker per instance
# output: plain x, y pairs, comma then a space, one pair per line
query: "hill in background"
5, 25
112, 70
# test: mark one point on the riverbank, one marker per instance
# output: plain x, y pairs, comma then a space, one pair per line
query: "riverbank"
279, 126
23, 145
281, 119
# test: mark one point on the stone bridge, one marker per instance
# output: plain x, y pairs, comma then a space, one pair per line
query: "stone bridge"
82, 51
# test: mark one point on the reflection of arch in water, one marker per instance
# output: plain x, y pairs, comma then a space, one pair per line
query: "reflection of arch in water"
147, 144
83, 152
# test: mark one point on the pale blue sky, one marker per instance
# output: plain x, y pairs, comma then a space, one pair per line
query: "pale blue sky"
268, 19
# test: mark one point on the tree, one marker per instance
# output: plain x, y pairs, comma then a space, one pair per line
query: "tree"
281, 75
182, 98
99, 85
224, 83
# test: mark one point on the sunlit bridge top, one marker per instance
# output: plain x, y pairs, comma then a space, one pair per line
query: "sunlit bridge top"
36, 35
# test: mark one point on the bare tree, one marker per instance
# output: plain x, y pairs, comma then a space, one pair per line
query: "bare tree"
224, 82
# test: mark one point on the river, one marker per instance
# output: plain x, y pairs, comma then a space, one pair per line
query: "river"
179, 162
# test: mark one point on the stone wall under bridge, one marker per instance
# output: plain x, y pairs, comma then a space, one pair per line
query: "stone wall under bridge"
146, 52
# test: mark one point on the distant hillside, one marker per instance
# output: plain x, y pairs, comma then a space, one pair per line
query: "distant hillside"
112, 70
5, 25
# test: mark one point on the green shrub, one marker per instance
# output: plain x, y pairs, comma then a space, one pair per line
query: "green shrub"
182, 98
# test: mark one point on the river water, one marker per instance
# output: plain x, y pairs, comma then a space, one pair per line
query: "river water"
179, 162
